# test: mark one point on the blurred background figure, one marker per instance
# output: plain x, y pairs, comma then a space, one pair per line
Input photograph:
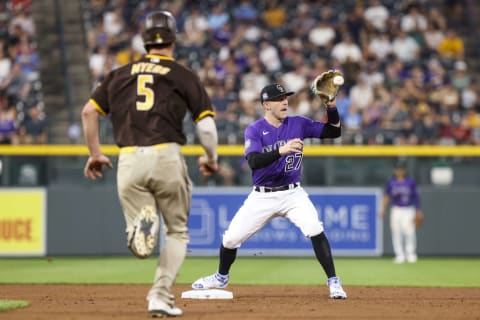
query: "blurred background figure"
405, 213
33, 130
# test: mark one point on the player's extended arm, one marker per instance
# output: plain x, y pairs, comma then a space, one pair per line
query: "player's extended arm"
207, 134
90, 129
96, 161
332, 128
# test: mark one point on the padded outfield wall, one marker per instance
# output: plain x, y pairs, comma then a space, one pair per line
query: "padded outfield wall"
64, 214
81, 220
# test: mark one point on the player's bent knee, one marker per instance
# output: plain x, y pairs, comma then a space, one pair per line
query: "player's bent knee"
180, 236
313, 230
230, 243
232, 240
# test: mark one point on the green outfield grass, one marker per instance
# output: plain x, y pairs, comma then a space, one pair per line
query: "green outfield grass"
427, 272
6, 305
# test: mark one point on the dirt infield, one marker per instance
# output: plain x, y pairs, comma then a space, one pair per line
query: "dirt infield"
122, 302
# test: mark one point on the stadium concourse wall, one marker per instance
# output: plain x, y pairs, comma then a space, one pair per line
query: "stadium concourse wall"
75, 217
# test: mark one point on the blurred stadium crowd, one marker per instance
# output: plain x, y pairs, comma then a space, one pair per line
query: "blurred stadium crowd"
407, 80
22, 117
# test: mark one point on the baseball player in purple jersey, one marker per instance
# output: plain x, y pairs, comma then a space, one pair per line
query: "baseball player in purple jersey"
401, 193
273, 148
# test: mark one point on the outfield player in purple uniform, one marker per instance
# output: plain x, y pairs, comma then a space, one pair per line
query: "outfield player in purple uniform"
273, 148
401, 193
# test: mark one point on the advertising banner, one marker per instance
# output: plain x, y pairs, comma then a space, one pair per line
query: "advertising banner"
22, 222
349, 216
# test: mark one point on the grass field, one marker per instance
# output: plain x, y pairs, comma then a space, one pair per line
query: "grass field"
427, 272
12, 304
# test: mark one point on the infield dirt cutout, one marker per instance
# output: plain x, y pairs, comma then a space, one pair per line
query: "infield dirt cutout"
92, 302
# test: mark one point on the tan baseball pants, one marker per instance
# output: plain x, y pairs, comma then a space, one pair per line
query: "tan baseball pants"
157, 176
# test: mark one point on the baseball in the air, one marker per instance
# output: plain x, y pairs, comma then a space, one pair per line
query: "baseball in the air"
338, 80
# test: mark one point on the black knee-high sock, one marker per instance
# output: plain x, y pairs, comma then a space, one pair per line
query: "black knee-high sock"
321, 246
227, 257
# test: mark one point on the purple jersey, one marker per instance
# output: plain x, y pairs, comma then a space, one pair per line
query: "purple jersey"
403, 193
261, 136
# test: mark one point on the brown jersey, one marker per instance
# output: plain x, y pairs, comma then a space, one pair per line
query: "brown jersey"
147, 101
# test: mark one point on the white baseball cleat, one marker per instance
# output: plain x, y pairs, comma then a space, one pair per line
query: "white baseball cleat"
336, 290
412, 258
214, 281
399, 260
159, 308
144, 238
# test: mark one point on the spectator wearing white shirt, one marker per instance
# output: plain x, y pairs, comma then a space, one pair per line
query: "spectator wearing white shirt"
5, 64
113, 22
469, 96
380, 45
433, 36
414, 20
260, 80
137, 43
97, 61
347, 50
253, 32
247, 91
377, 15
295, 80
269, 57
373, 74
405, 47
195, 28
322, 35
251, 81
22, 17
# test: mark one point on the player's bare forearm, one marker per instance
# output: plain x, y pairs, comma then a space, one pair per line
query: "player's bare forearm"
207, 133
90, 129
96, 161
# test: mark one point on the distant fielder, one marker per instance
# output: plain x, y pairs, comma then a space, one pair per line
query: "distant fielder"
405, 214
273, 148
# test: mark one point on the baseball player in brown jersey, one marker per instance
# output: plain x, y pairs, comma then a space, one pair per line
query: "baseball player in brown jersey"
147, 101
